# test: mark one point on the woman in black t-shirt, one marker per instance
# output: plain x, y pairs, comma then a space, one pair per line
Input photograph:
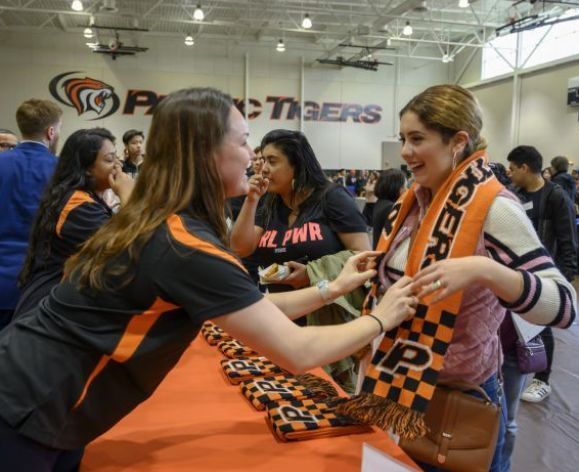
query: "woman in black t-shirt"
302, 217
135, 296
71, 210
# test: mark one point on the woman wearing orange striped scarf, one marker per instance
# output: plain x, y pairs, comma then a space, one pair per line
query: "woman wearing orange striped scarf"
468, 244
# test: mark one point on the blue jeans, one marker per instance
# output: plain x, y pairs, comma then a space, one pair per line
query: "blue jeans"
514, 382
492, 387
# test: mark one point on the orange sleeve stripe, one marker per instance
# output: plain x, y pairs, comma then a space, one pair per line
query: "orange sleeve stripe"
138, 328
75, 200
180, 233
133, 336
104, 360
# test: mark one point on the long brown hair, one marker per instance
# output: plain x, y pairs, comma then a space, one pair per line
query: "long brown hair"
449, 109
179, 175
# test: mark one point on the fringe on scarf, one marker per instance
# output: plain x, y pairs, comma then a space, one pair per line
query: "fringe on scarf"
386, 414
319, 387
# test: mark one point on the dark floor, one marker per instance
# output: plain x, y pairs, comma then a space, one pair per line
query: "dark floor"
548, 438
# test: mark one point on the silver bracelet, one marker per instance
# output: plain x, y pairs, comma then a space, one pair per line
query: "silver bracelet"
324, 288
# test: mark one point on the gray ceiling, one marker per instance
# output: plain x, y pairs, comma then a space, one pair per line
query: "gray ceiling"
439, 26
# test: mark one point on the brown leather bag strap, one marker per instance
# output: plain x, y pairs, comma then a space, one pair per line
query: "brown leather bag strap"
465, 386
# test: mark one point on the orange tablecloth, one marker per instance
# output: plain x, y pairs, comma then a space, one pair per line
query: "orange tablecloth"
197, 421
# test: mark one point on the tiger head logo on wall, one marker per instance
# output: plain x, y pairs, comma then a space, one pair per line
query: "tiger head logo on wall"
85, 94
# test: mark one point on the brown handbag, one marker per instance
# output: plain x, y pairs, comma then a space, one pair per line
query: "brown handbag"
463, 431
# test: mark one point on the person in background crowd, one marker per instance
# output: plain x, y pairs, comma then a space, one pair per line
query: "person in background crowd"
136, 295
24, 173
546, 173
340, 178
504, 266
8, 140
257, 161
235, 203
351, 182
390, 185
370, 196
553, 216
502, 174
134, 141
251, 262
560, 176
361, 182
71, 210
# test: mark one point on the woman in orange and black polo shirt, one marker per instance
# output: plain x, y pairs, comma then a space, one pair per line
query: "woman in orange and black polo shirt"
71, 210
137, 293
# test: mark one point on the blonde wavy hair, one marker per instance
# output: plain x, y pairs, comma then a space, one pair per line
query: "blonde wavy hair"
449, 109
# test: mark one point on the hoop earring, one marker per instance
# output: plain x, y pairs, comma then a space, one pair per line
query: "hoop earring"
454, 163
293, 184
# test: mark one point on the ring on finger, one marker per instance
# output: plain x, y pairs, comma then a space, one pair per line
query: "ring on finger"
436, 284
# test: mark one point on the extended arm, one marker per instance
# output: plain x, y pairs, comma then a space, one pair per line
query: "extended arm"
267, 330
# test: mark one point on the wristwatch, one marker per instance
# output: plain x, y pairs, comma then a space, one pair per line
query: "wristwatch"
324, 288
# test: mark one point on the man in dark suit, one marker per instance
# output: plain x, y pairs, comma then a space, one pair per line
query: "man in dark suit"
24, 172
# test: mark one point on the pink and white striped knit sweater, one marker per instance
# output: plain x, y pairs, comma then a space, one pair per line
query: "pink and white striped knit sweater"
510, 239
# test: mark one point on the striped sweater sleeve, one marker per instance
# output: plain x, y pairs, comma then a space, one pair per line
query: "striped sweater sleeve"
510, 239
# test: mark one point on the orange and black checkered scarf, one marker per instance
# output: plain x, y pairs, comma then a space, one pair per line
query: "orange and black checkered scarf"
403, 374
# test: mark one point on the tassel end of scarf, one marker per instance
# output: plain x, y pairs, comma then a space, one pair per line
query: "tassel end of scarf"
320, 387
386, 414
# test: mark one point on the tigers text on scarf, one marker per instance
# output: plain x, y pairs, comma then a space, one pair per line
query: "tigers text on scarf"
403, 374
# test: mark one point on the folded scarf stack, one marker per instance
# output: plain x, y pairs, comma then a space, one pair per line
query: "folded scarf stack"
213, 334
235, 349
311, 419
262, 392
238, 370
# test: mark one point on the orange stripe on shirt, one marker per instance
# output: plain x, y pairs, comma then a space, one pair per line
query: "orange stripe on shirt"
132, 337
76, 199
180, 233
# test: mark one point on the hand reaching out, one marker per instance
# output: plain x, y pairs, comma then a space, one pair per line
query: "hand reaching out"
356, 271
397, 305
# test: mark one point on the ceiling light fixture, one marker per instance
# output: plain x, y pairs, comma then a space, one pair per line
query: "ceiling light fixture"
87, 33
307, 22
189, 40
446, 58
280, 46
198, 14
407, 31
463, 3
76, 5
